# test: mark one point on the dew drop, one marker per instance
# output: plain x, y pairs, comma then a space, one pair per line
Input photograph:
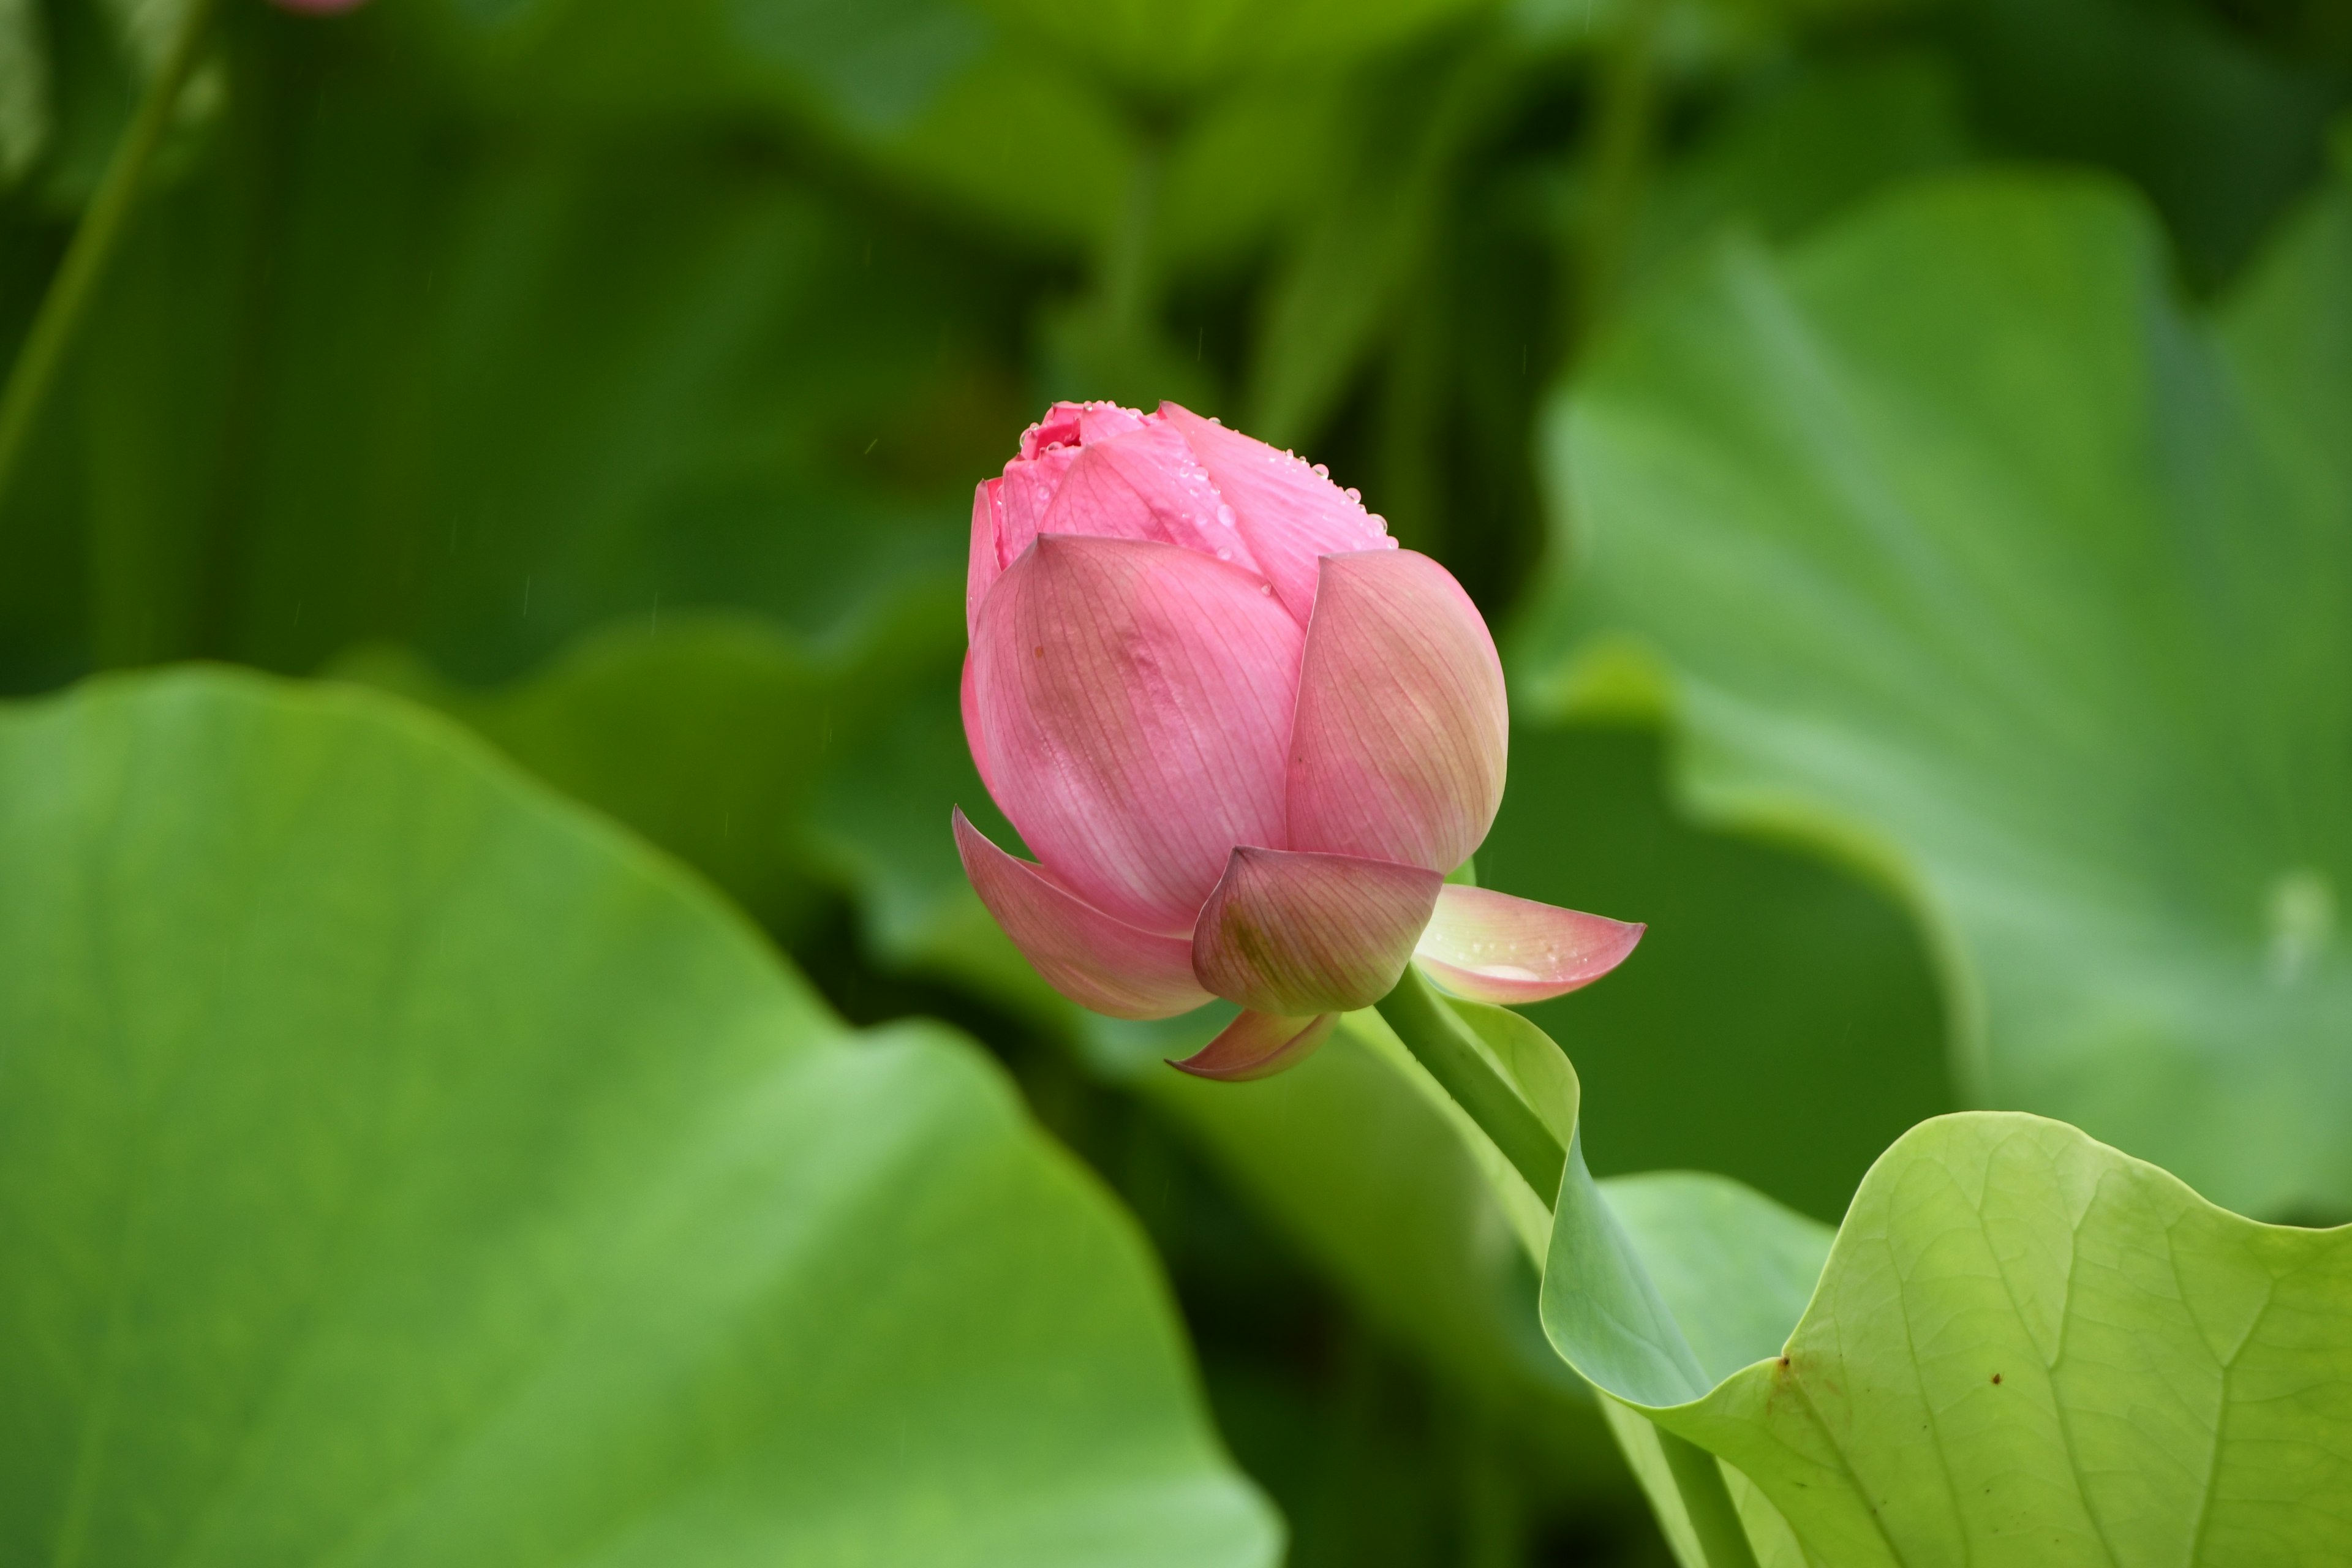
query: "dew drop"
1353, 494
1321, 470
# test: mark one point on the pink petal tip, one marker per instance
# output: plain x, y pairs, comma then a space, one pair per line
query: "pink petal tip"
1258, 1044
1491, 947
1094, 959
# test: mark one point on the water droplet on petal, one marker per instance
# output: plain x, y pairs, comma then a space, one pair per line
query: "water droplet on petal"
1322, 470
1353, 494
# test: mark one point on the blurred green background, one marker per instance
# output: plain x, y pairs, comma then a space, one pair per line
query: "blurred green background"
613, 376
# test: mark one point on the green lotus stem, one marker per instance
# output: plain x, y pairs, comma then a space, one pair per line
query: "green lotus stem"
1722, 1538
1442, 1043
67, 298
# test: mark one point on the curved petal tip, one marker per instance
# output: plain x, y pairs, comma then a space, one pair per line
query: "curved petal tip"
1491, 947
1258, 1044
1094, 959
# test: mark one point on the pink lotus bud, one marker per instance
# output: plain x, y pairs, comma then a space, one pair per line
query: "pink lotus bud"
1246, 735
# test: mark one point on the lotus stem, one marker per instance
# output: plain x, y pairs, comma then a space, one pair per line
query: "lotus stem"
67, 298
1442, 1043
1706, 1501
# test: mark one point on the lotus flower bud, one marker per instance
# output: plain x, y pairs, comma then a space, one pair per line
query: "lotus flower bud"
1246, 736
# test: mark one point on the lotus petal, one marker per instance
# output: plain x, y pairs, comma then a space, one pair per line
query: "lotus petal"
1144, 484
1491, 947
1290, 515
970, 701
1132, 700
1101, 421
1258, 1044
1096, 961
982, 568
1398, 749
1061, 426
1299, 934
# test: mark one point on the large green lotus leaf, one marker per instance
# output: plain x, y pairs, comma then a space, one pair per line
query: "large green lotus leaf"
2030, 590
2025, 1348
399, 1166
1734, 1271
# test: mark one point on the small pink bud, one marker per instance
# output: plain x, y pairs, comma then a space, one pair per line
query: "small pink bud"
1245, 734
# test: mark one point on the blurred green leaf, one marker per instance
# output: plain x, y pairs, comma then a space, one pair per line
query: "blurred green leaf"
385, 373
2029, 591
932, 95
1249, 163
2025, 1348
1172, 45
1800, 145
398, 1166
879, 825
1370, 229
23, 88
705, 737
2222, 134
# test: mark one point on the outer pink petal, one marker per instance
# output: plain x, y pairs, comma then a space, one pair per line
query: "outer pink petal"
1132, 700
1294, 933
1083, 953
1397, 750
983, 567
1258, 1044
1491, 947
1289, 514
1145, 484
971, 701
